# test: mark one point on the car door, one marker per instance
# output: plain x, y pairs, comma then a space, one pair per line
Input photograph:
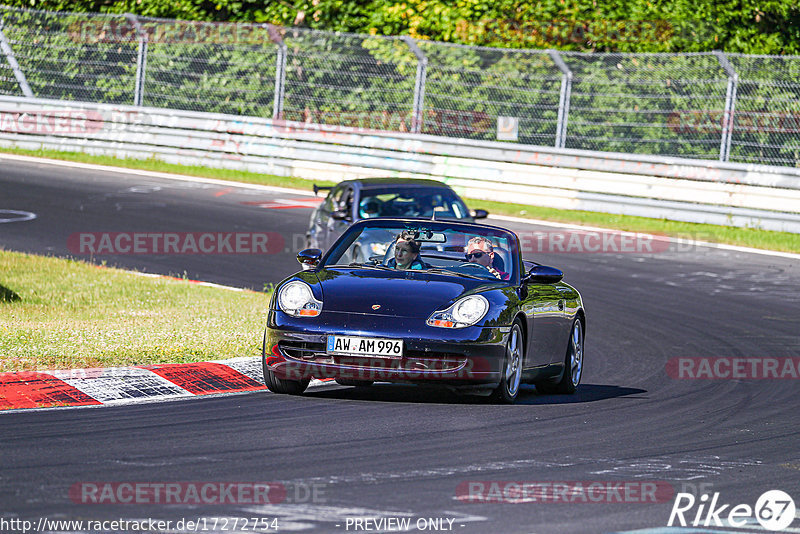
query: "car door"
544, 307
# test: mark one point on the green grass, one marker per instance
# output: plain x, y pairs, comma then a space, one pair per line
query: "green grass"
749, 237
71, 314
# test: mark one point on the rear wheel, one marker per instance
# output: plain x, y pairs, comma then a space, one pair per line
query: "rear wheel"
573, 365
508, 389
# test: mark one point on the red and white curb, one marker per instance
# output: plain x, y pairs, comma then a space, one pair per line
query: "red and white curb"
125, 385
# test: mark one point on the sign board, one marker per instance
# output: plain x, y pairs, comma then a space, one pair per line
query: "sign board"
507, 128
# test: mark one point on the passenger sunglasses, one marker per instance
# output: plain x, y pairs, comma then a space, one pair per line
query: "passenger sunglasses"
477, 255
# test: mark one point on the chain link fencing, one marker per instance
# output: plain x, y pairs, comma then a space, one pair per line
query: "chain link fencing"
348, 80
726, 107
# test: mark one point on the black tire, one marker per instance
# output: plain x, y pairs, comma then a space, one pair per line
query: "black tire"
508, 389
570, 378
280, 385
353, 382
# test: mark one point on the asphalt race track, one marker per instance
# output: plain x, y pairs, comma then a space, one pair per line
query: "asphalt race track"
392, 453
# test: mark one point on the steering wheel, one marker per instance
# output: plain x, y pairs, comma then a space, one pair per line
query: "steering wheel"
470, 265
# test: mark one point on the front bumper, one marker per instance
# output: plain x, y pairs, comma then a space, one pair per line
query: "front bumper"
295, 349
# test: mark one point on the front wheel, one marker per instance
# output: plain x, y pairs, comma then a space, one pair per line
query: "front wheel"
281, 385
508, 389
573, 365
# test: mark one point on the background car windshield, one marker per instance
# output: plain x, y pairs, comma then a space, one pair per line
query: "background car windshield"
442, 249
411, 202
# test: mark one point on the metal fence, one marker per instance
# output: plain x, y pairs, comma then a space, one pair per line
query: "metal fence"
726, 107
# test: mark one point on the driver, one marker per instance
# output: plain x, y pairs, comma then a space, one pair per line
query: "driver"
406, 253
480, 250
369, 208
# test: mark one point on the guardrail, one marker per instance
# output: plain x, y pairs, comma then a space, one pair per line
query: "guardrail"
651, 186
706, 105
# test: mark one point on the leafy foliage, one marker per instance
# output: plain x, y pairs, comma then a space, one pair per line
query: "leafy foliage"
735, 26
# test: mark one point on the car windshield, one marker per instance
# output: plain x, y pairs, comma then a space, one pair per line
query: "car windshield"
427, 202
442, 248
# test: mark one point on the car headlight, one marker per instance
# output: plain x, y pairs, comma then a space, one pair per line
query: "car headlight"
464, 312
296, 298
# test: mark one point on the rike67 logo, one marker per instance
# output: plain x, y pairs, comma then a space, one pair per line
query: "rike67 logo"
774, 510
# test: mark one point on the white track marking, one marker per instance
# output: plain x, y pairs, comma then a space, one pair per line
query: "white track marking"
10, 216
153, 174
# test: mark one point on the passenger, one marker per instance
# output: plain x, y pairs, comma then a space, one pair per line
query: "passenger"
481, 251
406, 253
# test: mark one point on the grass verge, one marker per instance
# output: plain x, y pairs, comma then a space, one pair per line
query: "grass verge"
748, 237
71, 314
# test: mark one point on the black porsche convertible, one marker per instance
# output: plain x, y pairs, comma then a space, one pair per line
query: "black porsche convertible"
478, 327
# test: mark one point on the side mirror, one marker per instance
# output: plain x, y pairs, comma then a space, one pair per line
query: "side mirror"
318, 188
309, 258
542, 274
341, 215
479, 214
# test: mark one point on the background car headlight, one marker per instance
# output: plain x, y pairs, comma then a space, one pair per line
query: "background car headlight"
296, 298
379, 248
464, 312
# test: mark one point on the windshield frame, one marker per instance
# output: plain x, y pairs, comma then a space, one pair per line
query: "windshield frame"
339, 247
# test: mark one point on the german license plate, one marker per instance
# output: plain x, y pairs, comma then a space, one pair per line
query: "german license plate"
365, 346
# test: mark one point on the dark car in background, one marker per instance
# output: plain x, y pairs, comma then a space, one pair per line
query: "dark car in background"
367, 198
451, 322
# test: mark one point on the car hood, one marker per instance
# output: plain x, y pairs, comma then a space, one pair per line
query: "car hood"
393, 293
